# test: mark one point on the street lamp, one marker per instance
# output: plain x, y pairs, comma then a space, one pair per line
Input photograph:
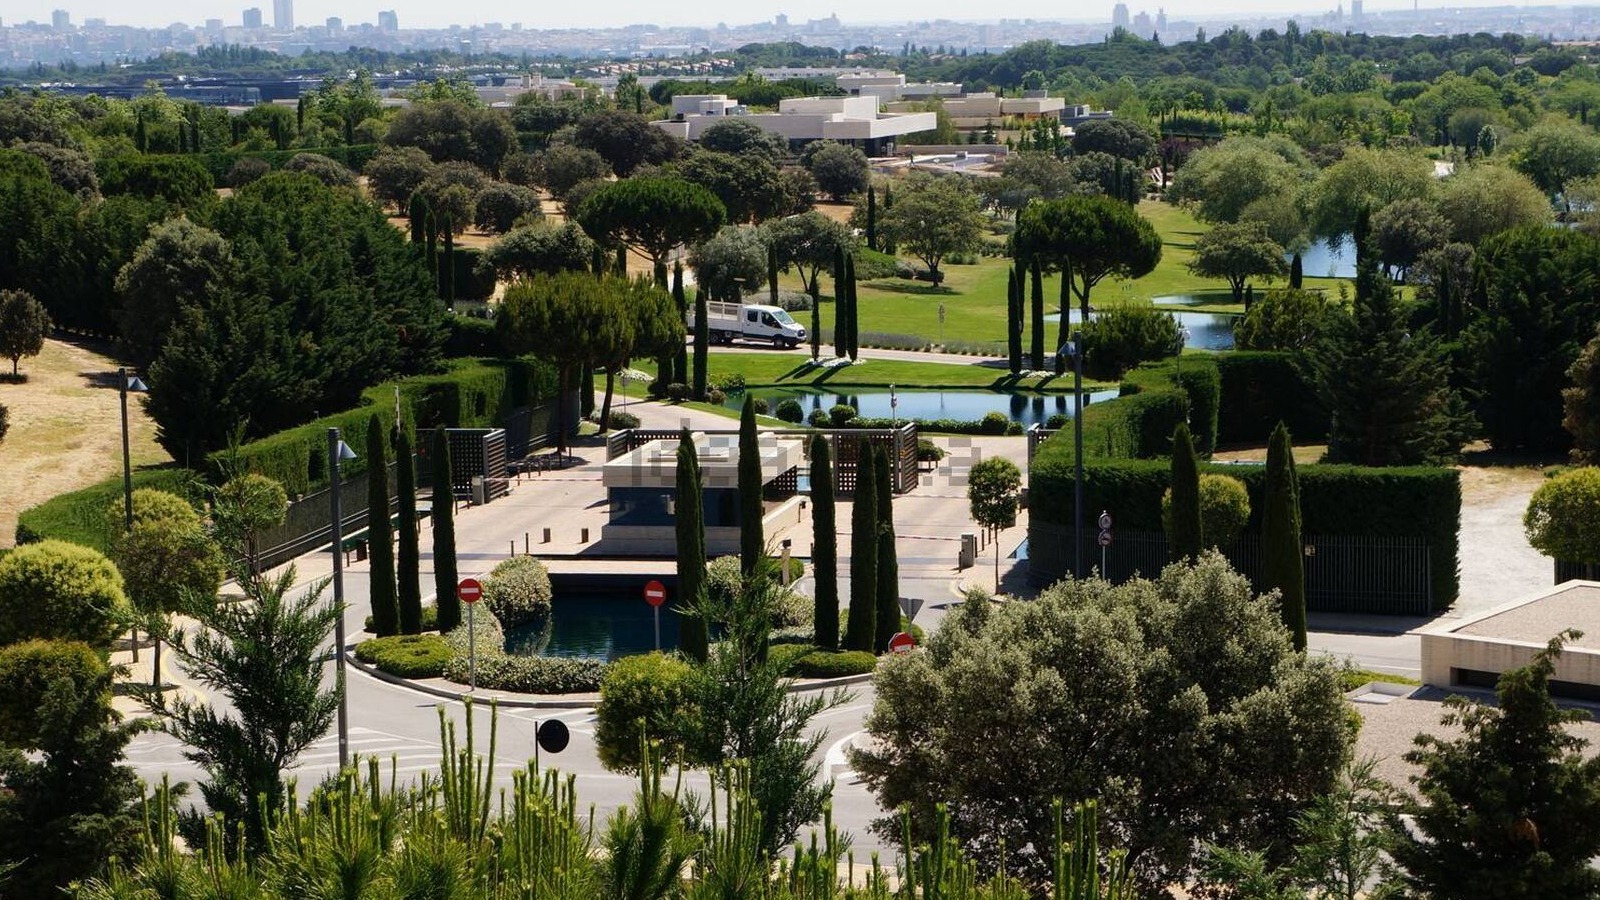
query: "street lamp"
127, 383
339, 451
1183, 338
1073, 350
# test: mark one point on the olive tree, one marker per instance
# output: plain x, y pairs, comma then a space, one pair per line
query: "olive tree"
1237, 253
933, 218
732, 263
24, 324
994, 490
1179, 702
60, 591
166, 558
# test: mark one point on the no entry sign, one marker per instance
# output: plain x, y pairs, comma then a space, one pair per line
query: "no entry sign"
901, 642
469, 590
655, 593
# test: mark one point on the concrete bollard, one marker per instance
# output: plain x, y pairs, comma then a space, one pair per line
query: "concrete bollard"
585, 538
546, 537
525, 550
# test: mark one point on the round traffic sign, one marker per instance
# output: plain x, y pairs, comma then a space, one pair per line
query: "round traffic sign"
552, 735
1105, 521
1105, 538
655, 593
469, 590
901, 642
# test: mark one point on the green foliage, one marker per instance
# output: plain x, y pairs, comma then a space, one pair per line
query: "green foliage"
825, 545
1260, 390
1238, 252
1090, 238
1283, 566
1563, 516
179, 180
690, 531
499, 207
819, 663
1202, 385
30, 670
500, 671
1123, 335
179, 264
517, 591
60, 591
652, 215
933, 218
1283, 320
24, 324
79, 517
1503, 809
645, 693
355, 157
1193, 657
406, 655
1181, 506
861, 623
841, 171
446, 605
752, 487
1224, 509
888, 588
409, 553
542, 247
383, 586
167, 559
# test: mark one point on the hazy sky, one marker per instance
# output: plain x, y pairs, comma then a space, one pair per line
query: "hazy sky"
415, 13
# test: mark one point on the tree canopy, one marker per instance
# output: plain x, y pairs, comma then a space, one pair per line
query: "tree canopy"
653, 215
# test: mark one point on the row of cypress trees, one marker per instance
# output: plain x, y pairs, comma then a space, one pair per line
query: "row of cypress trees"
874, 615
846, 336
1023, 305
396, 592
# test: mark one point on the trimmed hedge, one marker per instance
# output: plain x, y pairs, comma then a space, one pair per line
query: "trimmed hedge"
80, 516
1420, 502
1203, 385
474, 393
219, 163
407, 655
470, 336
430, 619
500, 671
1259, 389
474, 280
832, 664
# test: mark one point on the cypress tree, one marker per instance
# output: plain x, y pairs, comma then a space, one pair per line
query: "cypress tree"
872, 217
195, 143
702, 343
447, 265
183, 139
1282, 560
141, 135
445, 574
752, 544
825, 546
888, 589
432, 228
597, 261
862, 625
408, 562
816, 322
380, 539
1186, 538
300, 114
690, 524
680, 360
418, 213
853, 318
619, 264
1013, 322
772, 275
888, 203
1037, 346
1296, 272
840, 305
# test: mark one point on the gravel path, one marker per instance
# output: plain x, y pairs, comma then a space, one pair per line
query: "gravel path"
1497, 564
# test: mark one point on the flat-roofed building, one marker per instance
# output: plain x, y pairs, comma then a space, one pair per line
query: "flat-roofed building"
800, 120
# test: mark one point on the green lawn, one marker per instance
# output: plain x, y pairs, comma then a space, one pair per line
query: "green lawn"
777, 369
974, 296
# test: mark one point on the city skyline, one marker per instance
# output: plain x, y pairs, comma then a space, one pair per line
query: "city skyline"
413, 14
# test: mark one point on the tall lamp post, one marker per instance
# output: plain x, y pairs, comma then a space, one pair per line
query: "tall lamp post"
339, 451
125, 384
1073, 350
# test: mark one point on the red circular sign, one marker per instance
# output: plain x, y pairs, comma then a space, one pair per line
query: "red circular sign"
655, 593
901, 642
469, 590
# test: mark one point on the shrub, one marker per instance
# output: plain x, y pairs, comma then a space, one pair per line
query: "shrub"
677, 392
1057, 421
790, 608
790, 410
326, 170
928, 451
728, 383
1563, 517
430, 619
246, 170
716, 397
872, 265
470, 337
794, 301
760, 405
841, 414
498, 207
407, 655
833, 664
1203, 386
783, 654
29, 670
1259, 390
620, 419
529, 674
1123, 335
518, 591
1013, 429
60, 591
1224, 509
819, 418
994, 423
652, 690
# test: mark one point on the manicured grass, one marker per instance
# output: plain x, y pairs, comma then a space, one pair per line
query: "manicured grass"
791, 370
1350, 679
974, 296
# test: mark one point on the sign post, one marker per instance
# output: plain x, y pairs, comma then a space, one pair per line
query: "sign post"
941, 326
902, 642
469, 591
1104, 539
655, 594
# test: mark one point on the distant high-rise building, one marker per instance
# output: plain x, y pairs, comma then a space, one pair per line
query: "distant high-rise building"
1119, 16
252, 17
334, 24
780, 21
61, 20
1142, 24
283, 15
1161, 20
388, 20
1355, 10
211, 24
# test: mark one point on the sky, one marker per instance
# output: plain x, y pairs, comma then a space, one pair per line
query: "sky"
418, 14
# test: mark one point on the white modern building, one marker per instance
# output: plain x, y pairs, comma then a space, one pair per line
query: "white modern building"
978, 110
800, 120
890, 87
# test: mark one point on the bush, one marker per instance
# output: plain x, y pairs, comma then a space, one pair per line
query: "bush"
1123, 335
529, 674
1224, 509
498, 207
716, 397
677, 392
79, 517
430, 619
994, 423
794, 301
29, 670
1258, 390
790, 608
729, 383
649, 690
928, 451
1203, 386
841, 414
790, 410
761, 405
620, 419
1014, 429
328, 171
407, 655
1563, 517
1057, 421
819, 418
872, 265
60, 591
783, 654
246, 170
518, 591
470, 337
830, 664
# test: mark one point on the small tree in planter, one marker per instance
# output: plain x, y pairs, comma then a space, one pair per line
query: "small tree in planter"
994, 489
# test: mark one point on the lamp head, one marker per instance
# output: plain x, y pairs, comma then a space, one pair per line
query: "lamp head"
135, 386
345, 453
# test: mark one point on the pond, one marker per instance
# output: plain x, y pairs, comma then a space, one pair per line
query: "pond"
1325, 259
1207, 330
596, 625
1026, 407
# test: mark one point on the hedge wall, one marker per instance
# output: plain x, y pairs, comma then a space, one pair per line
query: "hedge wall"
474, 393
1202, 383
220, 163
1261, 388
470, 336
81, 516
1419, 502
